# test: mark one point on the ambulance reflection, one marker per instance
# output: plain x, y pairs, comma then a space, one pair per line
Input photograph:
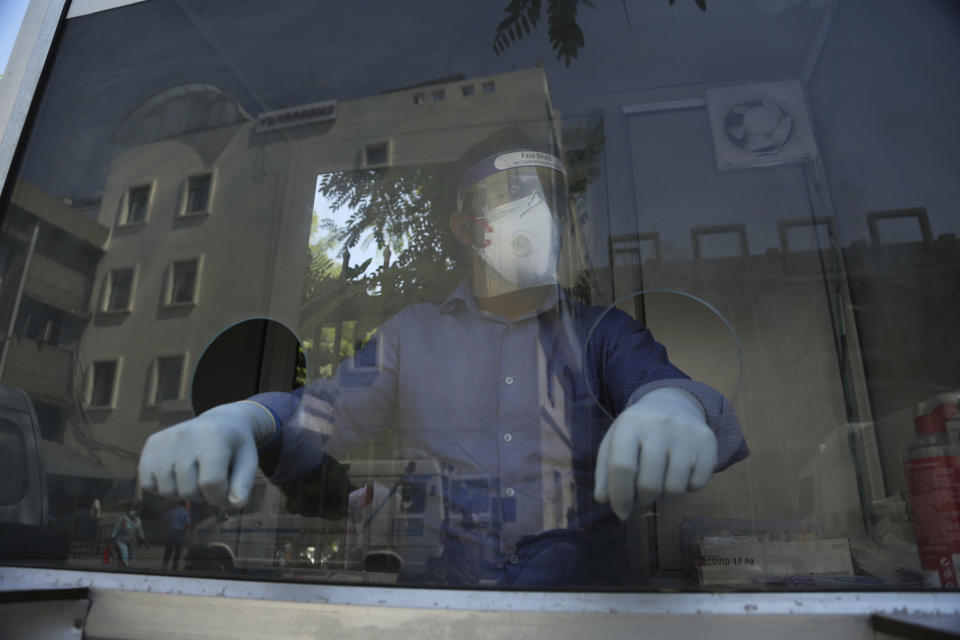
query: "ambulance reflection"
400, 514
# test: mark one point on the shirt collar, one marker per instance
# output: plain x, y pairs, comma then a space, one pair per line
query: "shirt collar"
463, 296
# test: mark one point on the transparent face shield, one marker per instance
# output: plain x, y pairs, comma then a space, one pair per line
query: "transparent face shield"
517, 215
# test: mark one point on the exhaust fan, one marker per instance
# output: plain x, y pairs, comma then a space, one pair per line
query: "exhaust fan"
759, 125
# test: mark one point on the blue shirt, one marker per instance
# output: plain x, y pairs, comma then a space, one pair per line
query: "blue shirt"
524, 403
177, 518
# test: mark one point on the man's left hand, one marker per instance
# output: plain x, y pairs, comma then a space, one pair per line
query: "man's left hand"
659, 445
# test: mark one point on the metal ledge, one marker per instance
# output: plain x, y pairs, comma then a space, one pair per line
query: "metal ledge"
750, 604
135, 616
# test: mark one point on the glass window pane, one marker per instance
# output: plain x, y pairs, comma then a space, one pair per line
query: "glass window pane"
169, 375
121, 282
377, 154
596, 266
184, 281
137, 204
198, 193
104, 374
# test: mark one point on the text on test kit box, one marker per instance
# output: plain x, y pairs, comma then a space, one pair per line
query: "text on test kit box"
738, 559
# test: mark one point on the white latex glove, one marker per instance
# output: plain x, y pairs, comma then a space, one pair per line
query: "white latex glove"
211, 457
660, 444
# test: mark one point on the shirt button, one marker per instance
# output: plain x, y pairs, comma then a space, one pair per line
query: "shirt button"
507, 437
514, 559
508, 380
510, 492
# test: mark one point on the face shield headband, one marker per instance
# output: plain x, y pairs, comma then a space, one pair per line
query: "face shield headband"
508, 177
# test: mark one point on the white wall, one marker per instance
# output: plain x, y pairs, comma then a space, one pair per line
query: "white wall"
886, 100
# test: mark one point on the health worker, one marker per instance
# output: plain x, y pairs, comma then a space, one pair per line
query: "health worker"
565, 417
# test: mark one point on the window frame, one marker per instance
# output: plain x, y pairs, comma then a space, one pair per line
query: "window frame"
91, 384
124, 218
441, 602
183, 210
154, 385
108, 291
739, 605
168, 286
387, 153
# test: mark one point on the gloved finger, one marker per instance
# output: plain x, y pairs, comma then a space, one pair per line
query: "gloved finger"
600, 488
243, 474
621, 482
622, 466
653, 466
679, 468
166, 481
186, 474
145, 470
213, 471
705, 464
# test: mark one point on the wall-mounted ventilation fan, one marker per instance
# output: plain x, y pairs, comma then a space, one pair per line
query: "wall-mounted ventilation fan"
760, 124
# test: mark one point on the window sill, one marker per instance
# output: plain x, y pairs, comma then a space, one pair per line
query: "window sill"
114, 312
179, 305
131, 225
171, 406
102, 408
193, 214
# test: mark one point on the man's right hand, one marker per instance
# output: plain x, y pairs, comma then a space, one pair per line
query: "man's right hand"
212, 457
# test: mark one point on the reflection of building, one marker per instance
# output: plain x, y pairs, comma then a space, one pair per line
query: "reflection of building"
210, 212
49, 257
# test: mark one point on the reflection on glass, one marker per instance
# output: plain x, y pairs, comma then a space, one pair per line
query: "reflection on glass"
121, 281
13, 452
198, 193
104, 378
184, 281
471, 333
137, 204
169, 374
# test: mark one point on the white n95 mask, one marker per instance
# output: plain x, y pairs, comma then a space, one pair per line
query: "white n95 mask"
521, 242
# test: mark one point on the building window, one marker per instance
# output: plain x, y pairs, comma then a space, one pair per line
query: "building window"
169, 377
489, 87
466, 90
137, 200
198, 194
183, 282
103, 383
119, 290
46, 324
377, 155
419, 98
439, 95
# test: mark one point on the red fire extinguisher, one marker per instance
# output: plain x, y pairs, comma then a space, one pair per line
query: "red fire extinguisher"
932, 470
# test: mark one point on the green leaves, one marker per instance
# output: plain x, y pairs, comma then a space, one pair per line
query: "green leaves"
522, 17
566, 36
403, 208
